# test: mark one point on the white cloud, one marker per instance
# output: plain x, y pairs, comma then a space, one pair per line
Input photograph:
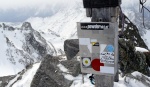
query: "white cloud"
20, 10
14, 4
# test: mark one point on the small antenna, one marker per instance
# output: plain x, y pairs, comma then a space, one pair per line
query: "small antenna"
142, 9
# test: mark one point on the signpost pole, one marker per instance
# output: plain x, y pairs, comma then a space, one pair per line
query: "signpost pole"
82, 78
98, 41
108, 14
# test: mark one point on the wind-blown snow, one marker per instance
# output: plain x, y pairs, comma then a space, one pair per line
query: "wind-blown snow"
62, 68
141, 49
132, 83
26, 78
78, 82
9, 67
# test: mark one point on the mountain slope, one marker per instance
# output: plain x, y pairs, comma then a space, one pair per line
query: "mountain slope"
62, 25
21, 47
132, 11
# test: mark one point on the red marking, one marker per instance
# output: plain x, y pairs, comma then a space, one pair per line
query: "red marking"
96, 64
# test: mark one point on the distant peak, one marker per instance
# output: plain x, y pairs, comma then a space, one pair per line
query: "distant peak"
26, 25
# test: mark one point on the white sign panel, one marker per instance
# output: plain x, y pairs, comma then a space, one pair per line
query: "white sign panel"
105, 69
107, 57
98, 45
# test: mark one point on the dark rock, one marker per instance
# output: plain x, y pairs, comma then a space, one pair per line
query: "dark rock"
32, 43
11, 28
4, 26
29, 66
7, 27
129, 59
131, 32
147, 54
44, 81
4, 80
36, 45
49, 75
71, 48
73, 66
26, 26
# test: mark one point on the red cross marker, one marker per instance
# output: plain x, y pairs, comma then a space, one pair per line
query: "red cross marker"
96, 64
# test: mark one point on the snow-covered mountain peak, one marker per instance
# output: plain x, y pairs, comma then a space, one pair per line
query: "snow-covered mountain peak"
20, 47
48, 24
26, 25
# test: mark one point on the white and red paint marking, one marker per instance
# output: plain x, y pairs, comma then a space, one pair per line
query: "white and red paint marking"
96, 64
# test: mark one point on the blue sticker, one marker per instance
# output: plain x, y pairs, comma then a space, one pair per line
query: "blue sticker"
110, 48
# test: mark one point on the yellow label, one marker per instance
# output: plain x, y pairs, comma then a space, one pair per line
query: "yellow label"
93, 43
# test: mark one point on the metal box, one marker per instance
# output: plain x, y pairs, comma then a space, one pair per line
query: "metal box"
98, 45
100, 3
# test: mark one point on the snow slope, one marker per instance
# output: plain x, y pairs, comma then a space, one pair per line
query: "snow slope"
54, 28
63, 22
57, 27
16, 49
77, 81
26, 77
131, 9
8, 65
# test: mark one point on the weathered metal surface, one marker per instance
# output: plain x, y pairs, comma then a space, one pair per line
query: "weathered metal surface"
100, 3
106, 15
98, 40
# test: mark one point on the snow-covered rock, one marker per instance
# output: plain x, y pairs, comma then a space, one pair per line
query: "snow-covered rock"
24, 78
137, 79
55, 73
20, 47
141, 49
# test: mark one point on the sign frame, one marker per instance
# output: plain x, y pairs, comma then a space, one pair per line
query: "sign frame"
111, 32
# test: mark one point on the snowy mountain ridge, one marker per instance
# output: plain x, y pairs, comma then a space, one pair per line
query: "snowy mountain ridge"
21, 47
62, 25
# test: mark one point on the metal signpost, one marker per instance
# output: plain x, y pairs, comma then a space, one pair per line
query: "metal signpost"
98, 43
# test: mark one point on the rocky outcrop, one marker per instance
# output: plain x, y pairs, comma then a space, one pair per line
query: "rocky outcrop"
73, 66
4, 80
138, 78
147, 54
26, 26
129, 59
34, 41
131, 32
23, 46
71, 48
51, 73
